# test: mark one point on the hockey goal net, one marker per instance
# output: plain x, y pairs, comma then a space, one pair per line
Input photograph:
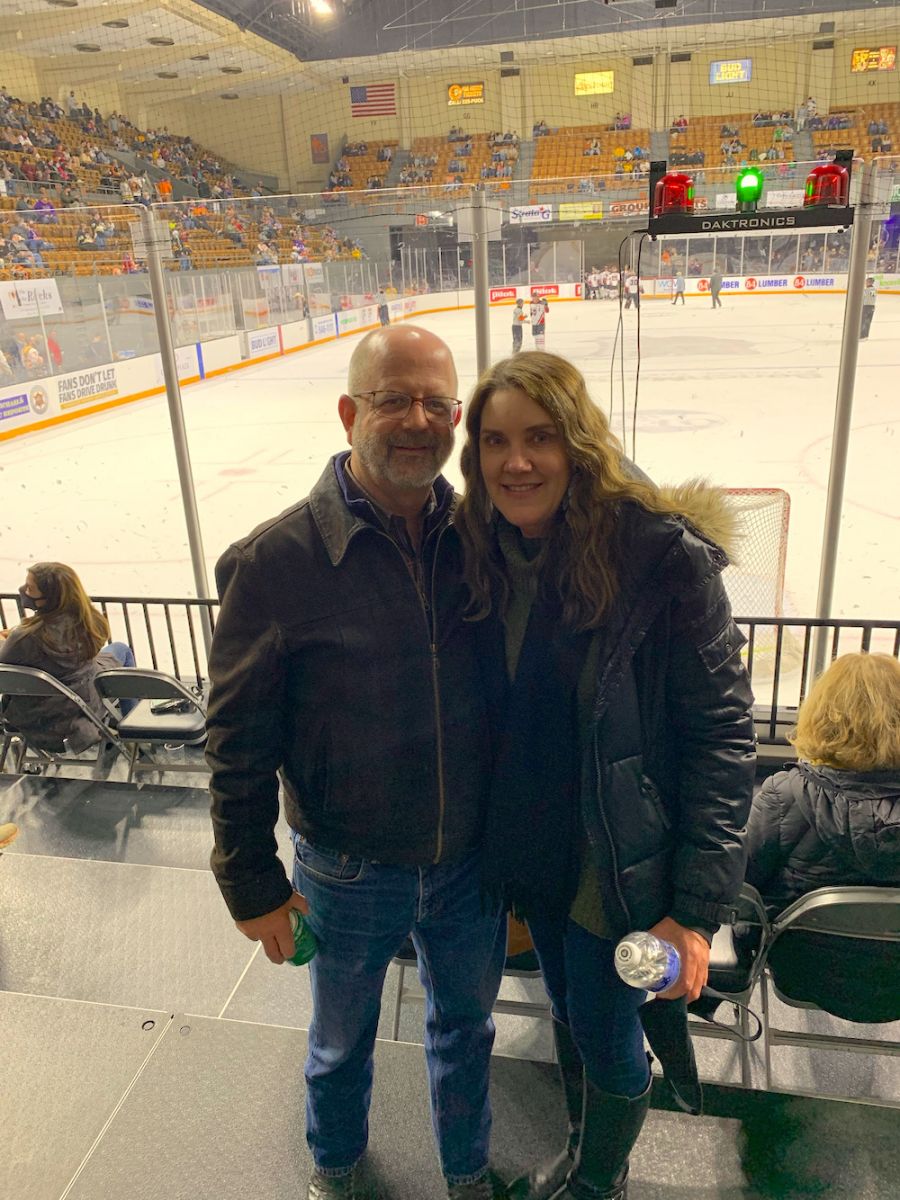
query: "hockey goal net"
755, 579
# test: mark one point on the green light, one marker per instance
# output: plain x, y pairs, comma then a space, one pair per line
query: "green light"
749, 185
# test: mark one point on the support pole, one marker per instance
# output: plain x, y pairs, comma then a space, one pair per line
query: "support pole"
176, 417
109, 345
482, 291
856, 281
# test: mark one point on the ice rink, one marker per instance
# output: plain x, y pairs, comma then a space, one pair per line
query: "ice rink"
743, 395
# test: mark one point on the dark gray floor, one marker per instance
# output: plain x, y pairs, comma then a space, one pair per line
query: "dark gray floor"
151, 1052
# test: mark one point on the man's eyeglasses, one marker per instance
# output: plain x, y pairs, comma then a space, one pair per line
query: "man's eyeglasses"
395, 406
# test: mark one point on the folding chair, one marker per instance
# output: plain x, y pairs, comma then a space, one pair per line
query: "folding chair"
735, 965
167, 713
835, 950
29, 681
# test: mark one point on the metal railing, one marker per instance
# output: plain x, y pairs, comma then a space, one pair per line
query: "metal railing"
167, 634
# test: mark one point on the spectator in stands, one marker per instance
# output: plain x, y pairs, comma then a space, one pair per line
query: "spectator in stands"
46, 208
84, 239
540, 128
69, 639
375, 742
54, 350
265, 256
658, 763
22, 255
834, 818
233, 229
6, 370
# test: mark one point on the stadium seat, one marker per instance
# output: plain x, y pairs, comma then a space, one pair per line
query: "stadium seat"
29, 681
167, 713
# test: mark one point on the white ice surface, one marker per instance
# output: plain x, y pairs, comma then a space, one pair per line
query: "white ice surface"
744, 395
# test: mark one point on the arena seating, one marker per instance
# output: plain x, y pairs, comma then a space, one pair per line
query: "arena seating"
362, 167
561, 152
704, 133
446, 151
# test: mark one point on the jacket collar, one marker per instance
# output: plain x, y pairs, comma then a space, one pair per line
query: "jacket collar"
339, 519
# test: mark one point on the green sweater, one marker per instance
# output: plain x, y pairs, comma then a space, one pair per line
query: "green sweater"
524, 560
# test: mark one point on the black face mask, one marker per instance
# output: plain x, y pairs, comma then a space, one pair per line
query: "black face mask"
27, 601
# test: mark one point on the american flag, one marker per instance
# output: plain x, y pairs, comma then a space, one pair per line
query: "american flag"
375, 100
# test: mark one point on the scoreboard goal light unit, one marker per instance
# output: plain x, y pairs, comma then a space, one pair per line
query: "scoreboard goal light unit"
826, 201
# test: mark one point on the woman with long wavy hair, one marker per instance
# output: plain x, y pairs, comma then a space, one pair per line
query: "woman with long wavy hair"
625, 752
68, 638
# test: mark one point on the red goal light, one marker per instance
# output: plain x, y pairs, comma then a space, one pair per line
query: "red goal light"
674, 194
827, 184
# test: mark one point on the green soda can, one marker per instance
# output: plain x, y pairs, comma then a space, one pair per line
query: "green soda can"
304, 939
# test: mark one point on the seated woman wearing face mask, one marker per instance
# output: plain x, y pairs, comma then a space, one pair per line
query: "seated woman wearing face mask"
69, 639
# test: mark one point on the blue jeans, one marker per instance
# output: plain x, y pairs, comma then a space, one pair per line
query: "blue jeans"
587, 995
124, 656
361, 913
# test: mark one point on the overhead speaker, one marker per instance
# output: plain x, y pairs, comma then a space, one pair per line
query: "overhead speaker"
679, 58
827, 44
345, 79
645, 60
507, 56
509, 72
826, 27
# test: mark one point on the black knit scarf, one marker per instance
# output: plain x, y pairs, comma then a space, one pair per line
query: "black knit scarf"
533, 818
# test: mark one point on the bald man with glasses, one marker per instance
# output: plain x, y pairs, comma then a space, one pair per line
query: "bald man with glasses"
341, 659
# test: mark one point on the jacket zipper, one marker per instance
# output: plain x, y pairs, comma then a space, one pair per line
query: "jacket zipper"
602, 808
610, 841
439, 724
429, 614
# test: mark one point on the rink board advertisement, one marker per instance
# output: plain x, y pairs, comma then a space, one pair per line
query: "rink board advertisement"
746, 285
23, 298
42, 402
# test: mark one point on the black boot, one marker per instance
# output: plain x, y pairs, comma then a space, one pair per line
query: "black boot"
332, 1187
609, 1128
544, 1180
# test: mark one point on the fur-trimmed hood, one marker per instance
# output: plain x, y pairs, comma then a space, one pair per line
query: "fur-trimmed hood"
708, 511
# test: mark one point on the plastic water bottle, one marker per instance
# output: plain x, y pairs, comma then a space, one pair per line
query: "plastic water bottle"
304, 939
645, 961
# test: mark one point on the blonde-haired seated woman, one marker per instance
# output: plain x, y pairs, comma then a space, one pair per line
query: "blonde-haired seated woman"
68, 638
834, 818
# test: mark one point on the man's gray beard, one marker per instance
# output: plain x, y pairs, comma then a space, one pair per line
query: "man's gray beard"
374, 452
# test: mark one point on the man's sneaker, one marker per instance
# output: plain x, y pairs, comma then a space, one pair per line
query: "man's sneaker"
332, 1187
488, 1187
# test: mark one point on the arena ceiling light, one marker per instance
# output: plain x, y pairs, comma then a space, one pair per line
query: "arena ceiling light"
87, 48
161, 41
321, 8
117, 23
63, 3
